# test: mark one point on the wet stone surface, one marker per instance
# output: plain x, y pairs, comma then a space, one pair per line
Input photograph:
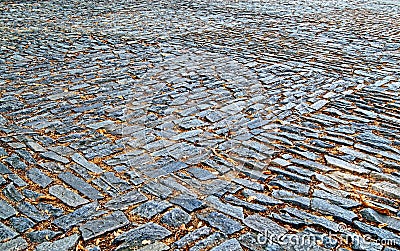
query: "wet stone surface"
199, 125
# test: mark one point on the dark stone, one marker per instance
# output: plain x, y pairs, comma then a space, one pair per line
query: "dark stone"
221, 222
109, 223
176, 217
67, 196
17, 244
238, 202
21, 224
64, 244
157, 189
39, 177
229, 245
42, 235
187, 202
211, 240
151, 208
54, 156
80, 185
6, 232
12, 193
6, 210
86, 164
378, 232
81, 214
133, 238
50, 209
192, 236
124, 201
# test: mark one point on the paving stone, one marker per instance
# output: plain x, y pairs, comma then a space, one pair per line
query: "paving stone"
50, 209
54, 156
221, 222
6, 232
124, 201
156, 246
12, 193
176, 217
39, 177
86, 164
6, 210
201, 174
34, 146
108, 223
42, 235
388, 189
32, 212
133, 238
372, 215
292, 198
64, 244
260, 198
157, 189
234, 211
325, 207
238, 202
151, 208
263, 225
192, 236
229, 245
15, 162
187, 202
345, 165
210, 241
67, 196
21, 224
17, 244
249, 184
84, 213
80, 185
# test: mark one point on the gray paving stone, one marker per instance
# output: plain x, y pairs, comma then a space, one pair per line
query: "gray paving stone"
80, 185
54, 156
372, 215
187, 202
64, 244
108, 223
151, 208
176, 217
67, 196
84, 213
156, 246
17, 244
124, 201
6, 210
15, 162
42, 235
388, 189
229, 245
157, 189
260, 198
221, 222
249, 184
21, 224
263, 225
345, 165
134, 238
325, 207
6, 232
234, 211
39, 177
86, 164
201, 174
211, 240
12, 193
192, 236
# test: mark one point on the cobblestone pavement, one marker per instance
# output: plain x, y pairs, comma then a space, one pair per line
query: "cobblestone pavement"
200, 125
